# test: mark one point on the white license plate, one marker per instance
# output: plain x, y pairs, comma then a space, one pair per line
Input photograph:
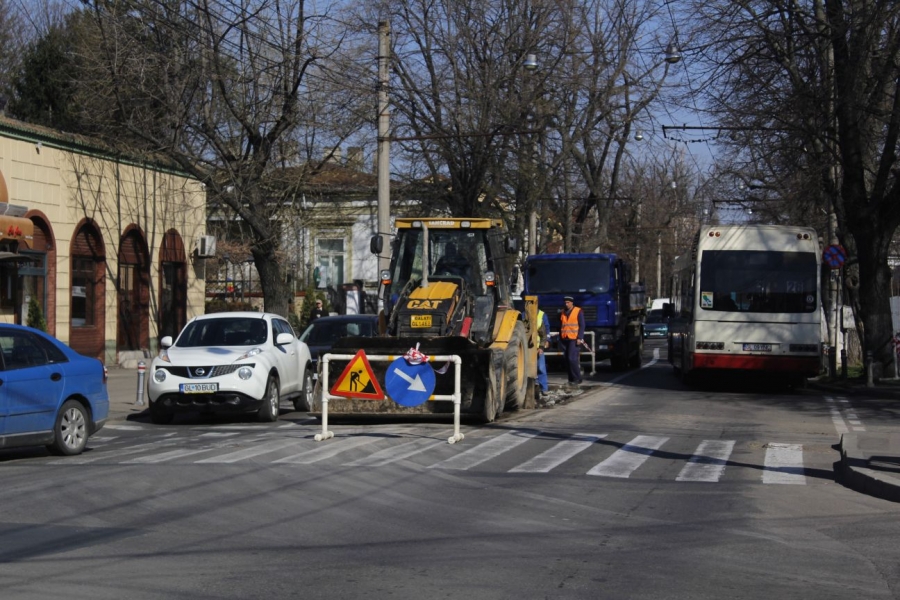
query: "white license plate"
757, 347
198, 388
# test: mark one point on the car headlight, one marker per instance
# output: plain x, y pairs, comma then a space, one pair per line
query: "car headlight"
164, 355
159, 375
245, 373
250, 353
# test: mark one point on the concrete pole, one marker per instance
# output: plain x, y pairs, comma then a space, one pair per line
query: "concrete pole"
532, 233
384, 144
637, 249
659, 264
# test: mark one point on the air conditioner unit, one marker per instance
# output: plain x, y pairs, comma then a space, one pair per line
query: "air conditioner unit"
206, 246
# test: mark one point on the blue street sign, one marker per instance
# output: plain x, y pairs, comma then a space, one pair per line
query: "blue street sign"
409, 385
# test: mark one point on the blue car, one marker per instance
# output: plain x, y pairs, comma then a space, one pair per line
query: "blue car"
49, 394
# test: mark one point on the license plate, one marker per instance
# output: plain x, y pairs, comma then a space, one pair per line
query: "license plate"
757, 347
420, 321
198, 388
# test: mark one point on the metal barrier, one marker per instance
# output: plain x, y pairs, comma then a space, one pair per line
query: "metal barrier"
592, 352
456, 397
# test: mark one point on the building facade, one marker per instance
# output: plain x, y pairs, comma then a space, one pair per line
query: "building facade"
105, 245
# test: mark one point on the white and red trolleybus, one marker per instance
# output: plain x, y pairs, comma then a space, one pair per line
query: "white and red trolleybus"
746, 297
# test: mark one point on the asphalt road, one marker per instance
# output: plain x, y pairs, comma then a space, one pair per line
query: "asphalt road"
637, 488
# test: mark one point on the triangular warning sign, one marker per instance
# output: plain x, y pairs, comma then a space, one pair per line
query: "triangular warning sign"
358, 380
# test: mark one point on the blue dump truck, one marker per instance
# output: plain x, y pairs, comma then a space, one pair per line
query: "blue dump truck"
614, 307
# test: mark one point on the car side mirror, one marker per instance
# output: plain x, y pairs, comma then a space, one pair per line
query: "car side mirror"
283, 339
376, 244
166, 342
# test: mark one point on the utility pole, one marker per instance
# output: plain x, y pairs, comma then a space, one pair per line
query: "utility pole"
384, 144
637, 249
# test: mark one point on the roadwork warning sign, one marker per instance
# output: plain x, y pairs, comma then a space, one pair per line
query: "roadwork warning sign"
358, 380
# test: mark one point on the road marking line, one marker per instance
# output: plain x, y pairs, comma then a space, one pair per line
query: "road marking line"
233, 457
629, 457
219, 434
485, 451
111, 454
396, 453
158, 458
708, 462
784, 464
330, 450
558, 454
836, 418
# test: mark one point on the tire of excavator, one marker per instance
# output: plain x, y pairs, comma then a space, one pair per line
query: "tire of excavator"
516, 373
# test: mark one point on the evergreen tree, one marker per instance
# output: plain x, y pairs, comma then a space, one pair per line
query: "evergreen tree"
36, 315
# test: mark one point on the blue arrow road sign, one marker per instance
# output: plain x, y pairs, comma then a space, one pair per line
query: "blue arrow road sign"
409, 385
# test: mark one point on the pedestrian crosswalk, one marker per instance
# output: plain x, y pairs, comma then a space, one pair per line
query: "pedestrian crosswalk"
515, 451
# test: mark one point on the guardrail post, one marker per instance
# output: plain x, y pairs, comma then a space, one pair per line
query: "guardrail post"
323, 381
141, 371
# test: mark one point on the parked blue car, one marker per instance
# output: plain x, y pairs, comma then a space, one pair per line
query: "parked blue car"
49, 394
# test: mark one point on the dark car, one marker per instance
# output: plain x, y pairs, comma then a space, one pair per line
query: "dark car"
49, 394
322, 333
656, 325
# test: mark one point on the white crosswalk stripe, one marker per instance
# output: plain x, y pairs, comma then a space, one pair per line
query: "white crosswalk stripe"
553, 457
784, 464
252, 452
629, 457
486, 451
397, 453
523, 451
165, 456
708, 462
327, 451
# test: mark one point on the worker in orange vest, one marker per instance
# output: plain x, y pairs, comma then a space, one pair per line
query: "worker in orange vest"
571, 336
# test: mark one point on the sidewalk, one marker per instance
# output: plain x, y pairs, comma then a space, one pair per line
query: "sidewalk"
870, 460
122, 385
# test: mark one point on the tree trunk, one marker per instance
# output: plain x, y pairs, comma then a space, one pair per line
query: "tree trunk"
275, 288
872, 289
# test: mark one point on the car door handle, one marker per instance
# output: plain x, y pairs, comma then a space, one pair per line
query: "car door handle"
55, 376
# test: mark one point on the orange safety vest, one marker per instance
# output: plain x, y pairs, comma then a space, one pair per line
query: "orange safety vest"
569, 329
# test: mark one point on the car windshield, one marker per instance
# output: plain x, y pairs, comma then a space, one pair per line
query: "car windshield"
225, 331
325, 332
655, 316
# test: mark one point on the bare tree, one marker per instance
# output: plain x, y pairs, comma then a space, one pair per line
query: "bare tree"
611, 70
815, 85
223, 90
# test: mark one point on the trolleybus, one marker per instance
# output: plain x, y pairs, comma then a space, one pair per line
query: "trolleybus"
746, 297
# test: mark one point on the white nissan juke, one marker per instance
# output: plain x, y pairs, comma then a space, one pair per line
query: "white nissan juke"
233, 362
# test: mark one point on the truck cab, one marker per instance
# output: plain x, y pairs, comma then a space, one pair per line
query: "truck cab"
613, 306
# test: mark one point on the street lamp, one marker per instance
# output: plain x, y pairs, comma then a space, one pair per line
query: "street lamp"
673, 55
531, 63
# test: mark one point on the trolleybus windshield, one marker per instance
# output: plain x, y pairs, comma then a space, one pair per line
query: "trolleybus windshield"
758, 281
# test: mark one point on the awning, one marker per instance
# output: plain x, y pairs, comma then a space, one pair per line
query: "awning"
17, 229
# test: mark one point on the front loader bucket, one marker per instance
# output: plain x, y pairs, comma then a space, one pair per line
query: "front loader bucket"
476, 365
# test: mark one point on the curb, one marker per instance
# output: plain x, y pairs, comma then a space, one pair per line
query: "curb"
853, 472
